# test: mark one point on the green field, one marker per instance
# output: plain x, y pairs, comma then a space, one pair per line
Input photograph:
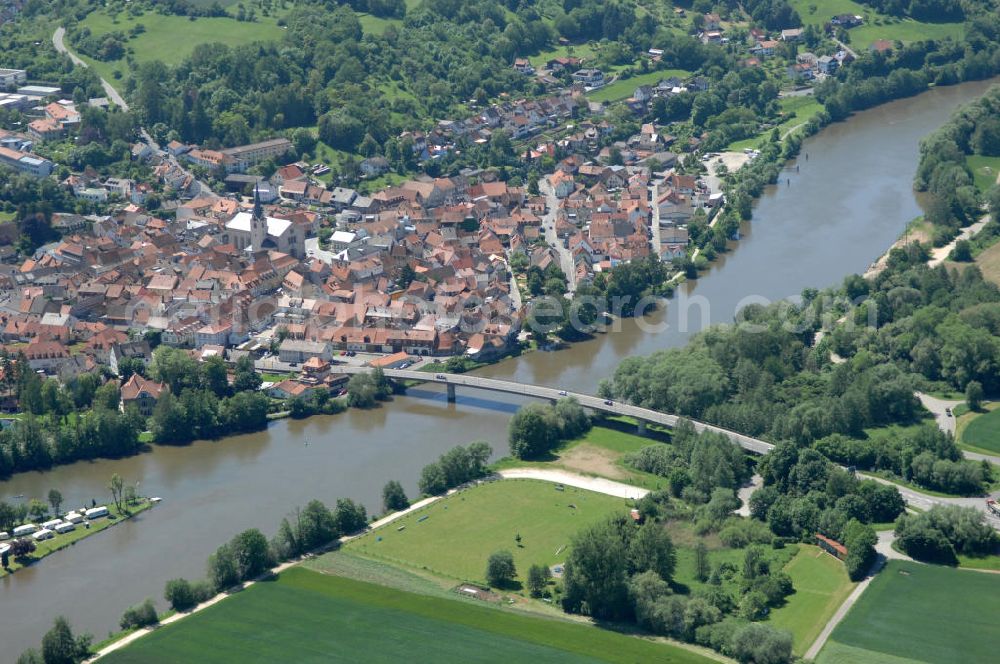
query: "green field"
461, 531
985, 171
304, 616
170, 39
623, 88
876, 26
821, 585
982, 431
920, 613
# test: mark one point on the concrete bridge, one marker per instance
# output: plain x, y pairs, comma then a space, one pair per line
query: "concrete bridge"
643, 415
452, 382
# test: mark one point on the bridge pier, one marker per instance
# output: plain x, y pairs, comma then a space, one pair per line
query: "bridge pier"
451, 393
641, 428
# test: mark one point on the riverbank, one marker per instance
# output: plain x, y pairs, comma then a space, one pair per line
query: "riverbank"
82, 531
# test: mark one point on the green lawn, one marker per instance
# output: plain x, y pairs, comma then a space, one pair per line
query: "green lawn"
454, 536
586, 52
304, 616
796, 111
170, 39
906, 30
985, 171
982, 431
819, 12
821, 585
58, 542
925, 613
623, 88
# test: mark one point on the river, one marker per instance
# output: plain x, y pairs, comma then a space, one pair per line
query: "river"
843, 206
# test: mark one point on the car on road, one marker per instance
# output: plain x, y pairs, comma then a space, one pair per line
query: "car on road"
441, 377
609, 402
562, 393
947, 412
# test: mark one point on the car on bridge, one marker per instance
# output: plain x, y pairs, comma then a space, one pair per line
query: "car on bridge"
441, 377
562, 393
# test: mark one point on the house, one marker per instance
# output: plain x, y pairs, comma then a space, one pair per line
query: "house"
765, 48
244, 156
712, 22
827, 65
800, 72
523, 66
791, 34
711, 37
254, 231
591, 78
296, 351
374, 166
25, 162
141, 393
10, 79
847, 21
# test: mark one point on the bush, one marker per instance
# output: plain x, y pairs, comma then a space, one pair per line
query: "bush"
139, 616
538, 578
179, 594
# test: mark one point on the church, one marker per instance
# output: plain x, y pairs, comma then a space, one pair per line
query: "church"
253, 231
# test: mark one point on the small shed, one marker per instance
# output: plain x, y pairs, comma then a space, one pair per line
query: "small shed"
831, 546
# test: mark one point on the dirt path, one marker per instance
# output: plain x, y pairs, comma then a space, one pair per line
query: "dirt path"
597, 484
940, 254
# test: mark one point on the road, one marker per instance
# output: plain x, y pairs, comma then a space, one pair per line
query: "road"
58, 41
940, 408
654, 224
199, 189
549, 226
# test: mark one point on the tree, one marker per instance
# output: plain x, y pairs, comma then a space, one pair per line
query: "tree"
222, 570
651, 549
37, 509
500, 570
860, 541
246, 378
538, 578
757, 643
59, 646
55, 499
179, 594
702, 566
117, 486
974, 395
432, 480
596, 573
533, 431
349, 517
393, 497
361, 391
250, 553
214, 376
22, 548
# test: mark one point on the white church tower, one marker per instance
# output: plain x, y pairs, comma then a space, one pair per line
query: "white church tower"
258, 223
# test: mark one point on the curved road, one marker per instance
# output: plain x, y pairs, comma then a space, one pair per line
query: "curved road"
912, 497
58, 41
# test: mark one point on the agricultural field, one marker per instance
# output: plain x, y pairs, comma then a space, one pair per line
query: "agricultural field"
821, 586
305, 616
454, 536
600, 452
920, 613
981, 431
985, 170
170, 39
